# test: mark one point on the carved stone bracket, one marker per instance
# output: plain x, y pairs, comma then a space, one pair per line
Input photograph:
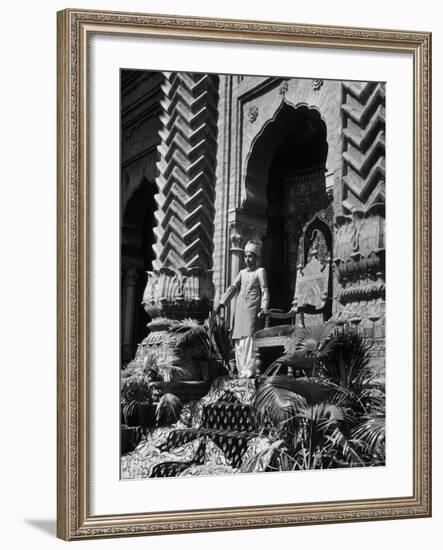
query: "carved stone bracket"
360, 234
361, 293
240, 233
361, 268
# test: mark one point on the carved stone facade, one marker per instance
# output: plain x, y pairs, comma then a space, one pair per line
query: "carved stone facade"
180, 285
261, 158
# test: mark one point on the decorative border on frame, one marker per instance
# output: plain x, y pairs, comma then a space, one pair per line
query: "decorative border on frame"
70, 525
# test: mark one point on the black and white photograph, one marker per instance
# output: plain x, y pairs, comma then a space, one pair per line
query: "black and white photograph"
252, 247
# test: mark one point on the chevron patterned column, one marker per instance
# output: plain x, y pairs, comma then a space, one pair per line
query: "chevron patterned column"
359, 244
181, 281
363, 120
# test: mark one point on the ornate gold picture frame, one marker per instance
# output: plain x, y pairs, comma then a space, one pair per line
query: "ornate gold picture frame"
76, 518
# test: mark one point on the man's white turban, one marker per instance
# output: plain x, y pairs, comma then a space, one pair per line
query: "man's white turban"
253, 247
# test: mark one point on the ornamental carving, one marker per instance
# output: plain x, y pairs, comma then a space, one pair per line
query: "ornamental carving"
361, 293
317, 83
363, 136
179, 293
240, 233
252, 113
186, 171
311, 288
284, 86
359, 234
312, 281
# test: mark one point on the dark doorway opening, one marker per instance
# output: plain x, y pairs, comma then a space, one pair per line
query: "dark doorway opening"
295, 192
137, 255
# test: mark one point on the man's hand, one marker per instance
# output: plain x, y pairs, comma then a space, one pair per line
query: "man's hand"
262, 313
218, 308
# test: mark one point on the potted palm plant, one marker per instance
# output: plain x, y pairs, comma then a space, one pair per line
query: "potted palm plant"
137, 404
334, 416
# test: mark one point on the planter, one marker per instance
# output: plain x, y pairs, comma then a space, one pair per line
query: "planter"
129, 438
140, 414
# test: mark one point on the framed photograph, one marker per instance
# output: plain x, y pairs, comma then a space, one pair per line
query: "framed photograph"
243, 274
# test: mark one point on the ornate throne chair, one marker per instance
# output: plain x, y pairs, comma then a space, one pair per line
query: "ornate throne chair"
311, 305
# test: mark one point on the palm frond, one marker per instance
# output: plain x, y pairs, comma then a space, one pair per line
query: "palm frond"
295, 360
193, 335
279, 403
219, 335
346, 360
324, 415
371, 433
184, 325
282, 398
339, 440
313, 390
312, 340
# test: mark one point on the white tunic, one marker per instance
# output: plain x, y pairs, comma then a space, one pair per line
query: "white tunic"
252, 292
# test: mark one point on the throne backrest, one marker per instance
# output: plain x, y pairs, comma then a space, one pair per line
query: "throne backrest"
312, 283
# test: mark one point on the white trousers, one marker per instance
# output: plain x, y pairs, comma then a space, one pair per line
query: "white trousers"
244, 357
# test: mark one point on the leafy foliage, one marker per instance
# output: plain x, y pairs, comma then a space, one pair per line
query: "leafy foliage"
168, 409
306, 349
135, 392
334, 417
212, 337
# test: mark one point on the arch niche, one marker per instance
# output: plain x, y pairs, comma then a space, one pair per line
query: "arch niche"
285, 186
137, 254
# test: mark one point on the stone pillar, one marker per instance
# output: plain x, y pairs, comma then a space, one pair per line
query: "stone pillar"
363, 139
359, 271
359, 243
236, 252
180, 285
129, 287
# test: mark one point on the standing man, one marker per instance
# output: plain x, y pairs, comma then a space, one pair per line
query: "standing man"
251, 288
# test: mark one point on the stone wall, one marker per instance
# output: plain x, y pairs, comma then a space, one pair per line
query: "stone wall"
248, 105
206, 143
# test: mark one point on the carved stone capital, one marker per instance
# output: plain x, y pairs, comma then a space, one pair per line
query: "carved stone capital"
240, 233
237, 236
179, 293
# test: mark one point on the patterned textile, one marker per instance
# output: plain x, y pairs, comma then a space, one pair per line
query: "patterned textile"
142, 461
229, 416
215, 463
214, 435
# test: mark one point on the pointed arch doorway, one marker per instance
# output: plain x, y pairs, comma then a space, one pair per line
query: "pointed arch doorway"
285, 184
